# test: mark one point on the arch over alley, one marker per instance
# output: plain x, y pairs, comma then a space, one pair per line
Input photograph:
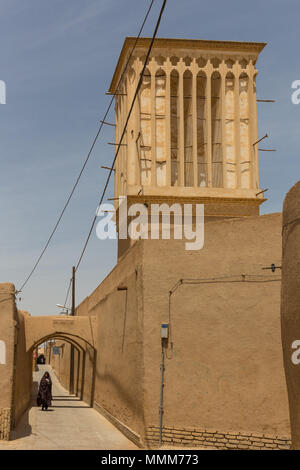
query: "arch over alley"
39, 328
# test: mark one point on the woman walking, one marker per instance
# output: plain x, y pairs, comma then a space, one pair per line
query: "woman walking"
45, 392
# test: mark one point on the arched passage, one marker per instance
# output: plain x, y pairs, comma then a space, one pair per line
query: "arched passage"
79, 336
79, 328
80, 358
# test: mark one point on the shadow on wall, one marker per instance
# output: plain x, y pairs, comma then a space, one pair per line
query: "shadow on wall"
117, 390
23, 427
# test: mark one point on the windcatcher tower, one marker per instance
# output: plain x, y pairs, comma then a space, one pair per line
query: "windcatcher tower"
191, 135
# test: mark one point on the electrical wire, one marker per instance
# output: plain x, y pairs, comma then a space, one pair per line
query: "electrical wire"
244, 277
88, 156
233, 278
124, 131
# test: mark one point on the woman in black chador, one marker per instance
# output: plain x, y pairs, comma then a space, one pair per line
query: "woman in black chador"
45, 392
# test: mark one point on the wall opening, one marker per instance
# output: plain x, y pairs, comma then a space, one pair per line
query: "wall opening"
160, 127
201, 130
244, 131
188, 129
216, 131
230, 157
174, 128
145, 154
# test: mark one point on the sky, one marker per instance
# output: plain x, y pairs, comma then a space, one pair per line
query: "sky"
57, 59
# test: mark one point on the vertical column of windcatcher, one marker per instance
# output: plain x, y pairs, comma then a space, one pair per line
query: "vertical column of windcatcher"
223, 122
253, 125
244, 131
216, 150
132, 129
201, 117
168, 122
208, 124
145, 156
188, 129
236, 73
138, 124
181, 124
194, 126
152, 68
121, 159
175, 128
160, 126
230, 131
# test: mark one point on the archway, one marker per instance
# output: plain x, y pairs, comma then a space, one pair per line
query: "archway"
76, 327
79, 359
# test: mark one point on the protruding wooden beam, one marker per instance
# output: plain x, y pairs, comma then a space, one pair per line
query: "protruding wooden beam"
262, 138
108, 123
108, 168
115, 143
266, 101
116, 94
263, 191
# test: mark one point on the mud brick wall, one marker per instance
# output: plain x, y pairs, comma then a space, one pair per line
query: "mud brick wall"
5, 423
8, 317
218, 440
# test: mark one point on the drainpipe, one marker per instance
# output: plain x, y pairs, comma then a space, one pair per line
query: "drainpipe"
164, 343
161, 409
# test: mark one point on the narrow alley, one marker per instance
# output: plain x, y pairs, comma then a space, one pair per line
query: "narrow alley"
68, 424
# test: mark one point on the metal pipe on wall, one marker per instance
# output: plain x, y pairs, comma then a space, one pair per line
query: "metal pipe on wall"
161, 410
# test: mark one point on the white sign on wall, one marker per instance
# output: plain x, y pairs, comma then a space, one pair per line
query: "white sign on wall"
2, 352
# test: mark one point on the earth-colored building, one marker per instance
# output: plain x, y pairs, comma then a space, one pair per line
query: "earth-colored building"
192, 139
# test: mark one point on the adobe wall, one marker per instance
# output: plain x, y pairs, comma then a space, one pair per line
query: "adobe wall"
61, 363
7, 346
290, 305
15, 363
223, 368
23, 370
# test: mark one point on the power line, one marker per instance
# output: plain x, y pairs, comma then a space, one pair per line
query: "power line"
124, 130
231, 278
88, 155
244, 277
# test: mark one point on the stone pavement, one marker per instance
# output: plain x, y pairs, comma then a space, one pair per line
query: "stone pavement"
68, 425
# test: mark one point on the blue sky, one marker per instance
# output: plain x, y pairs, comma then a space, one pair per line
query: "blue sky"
57, 59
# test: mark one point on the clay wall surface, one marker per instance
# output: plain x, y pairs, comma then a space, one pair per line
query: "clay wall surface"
7, 356
290, 303
223, 366
23, 371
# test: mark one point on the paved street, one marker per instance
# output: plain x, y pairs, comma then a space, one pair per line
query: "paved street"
68, 424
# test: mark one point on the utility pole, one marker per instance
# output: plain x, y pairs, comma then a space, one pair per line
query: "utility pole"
72, 347
73, 291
